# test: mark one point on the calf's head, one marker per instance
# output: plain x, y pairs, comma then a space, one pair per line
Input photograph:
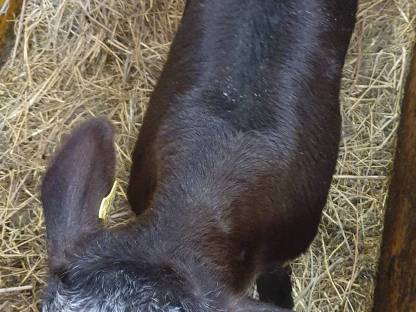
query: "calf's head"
94, 269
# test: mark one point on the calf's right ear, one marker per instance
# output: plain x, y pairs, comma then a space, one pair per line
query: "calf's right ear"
80, 175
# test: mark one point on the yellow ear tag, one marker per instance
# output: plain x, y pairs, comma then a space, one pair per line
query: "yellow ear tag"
105, 206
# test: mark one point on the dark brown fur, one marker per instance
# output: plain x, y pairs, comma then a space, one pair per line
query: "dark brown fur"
230, 172
243, 129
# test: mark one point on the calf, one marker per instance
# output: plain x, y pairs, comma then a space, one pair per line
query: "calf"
230, 172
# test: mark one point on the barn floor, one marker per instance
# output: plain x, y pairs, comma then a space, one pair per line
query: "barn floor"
75, 59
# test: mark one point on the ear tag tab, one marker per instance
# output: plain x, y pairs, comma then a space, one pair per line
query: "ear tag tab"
105, 206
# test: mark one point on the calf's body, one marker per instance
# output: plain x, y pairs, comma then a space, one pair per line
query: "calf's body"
241, 137
230, 172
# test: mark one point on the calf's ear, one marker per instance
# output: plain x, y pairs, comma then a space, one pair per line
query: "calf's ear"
79, 176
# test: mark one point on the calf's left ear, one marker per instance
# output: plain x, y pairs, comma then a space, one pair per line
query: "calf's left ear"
80, 175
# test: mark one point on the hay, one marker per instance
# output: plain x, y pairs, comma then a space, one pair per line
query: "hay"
75, 59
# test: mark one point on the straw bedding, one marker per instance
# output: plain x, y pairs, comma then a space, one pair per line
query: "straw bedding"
75, 59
